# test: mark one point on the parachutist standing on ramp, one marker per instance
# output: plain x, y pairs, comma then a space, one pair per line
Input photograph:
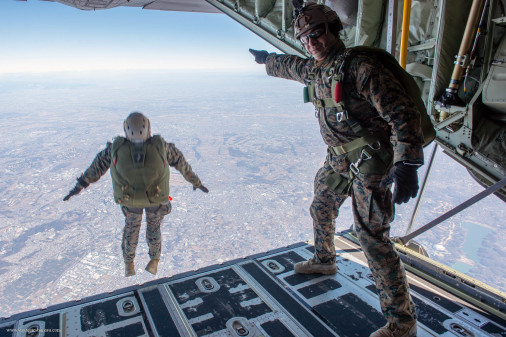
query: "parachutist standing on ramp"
371, 127
140, 174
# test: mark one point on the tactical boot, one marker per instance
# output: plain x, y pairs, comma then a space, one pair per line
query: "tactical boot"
129, 269
309, 267
396, 330
152, 266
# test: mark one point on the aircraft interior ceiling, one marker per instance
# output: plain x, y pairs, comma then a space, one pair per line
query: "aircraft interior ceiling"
168, 5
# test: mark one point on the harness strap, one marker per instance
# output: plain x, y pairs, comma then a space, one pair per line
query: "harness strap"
336, 100
366, 153
353, 145
324, 102
338, 183
370, 159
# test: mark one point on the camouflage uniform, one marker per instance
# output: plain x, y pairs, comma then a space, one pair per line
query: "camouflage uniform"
379, 103
133, 216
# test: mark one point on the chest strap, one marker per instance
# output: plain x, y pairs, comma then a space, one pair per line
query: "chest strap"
329, 102
336, 75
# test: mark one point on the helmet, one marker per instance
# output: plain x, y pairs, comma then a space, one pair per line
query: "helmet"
312, 15
137, 127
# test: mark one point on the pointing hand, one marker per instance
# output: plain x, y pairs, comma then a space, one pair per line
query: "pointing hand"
260, 55
202, 188
75, 191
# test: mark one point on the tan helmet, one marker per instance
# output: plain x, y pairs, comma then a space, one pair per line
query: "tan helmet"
312, 15
137, 127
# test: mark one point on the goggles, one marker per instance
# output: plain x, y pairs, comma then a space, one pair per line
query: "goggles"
313, 35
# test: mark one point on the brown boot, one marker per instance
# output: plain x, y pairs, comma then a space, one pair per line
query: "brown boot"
396, 330
309, 267
152, 266
129, 269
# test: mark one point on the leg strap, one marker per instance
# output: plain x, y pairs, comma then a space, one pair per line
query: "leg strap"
353, 145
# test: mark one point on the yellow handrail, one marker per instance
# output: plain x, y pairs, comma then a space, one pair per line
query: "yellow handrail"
405, 33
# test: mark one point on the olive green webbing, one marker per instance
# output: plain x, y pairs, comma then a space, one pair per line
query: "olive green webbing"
353, 145
338, 183
380, 162
391, 63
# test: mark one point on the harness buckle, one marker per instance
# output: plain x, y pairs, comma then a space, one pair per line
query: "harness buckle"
354, 169
364, 155
318, 103
342, 116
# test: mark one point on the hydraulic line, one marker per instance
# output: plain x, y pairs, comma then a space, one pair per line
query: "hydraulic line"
472, 53
405, 33
450, 96
478, 31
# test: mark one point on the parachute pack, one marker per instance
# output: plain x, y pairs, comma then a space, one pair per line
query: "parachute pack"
140, 172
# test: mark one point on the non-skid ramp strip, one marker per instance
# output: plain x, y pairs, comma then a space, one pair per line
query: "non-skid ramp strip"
349, 316
276, 328
110, 316
292, 306
215, 302
159, 316
241, 297
211, 302
330, 300
7, 330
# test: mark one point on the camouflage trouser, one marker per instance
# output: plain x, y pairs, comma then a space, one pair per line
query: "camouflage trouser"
373, 211
133, 219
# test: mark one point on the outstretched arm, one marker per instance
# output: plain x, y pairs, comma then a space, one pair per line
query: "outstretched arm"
176, 159
290, 67
97, 169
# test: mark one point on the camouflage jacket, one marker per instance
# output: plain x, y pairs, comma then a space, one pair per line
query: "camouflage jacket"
372, 96
175, 158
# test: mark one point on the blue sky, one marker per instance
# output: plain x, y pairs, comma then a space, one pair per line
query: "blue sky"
38, 36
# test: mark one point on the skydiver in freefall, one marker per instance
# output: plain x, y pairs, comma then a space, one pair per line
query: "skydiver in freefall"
140, 173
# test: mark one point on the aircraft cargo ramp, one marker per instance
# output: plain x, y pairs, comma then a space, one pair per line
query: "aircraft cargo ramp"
259, 296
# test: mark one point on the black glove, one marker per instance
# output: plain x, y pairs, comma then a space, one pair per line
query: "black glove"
81, 183
405, 178
260, 55
75, 191
202, 188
